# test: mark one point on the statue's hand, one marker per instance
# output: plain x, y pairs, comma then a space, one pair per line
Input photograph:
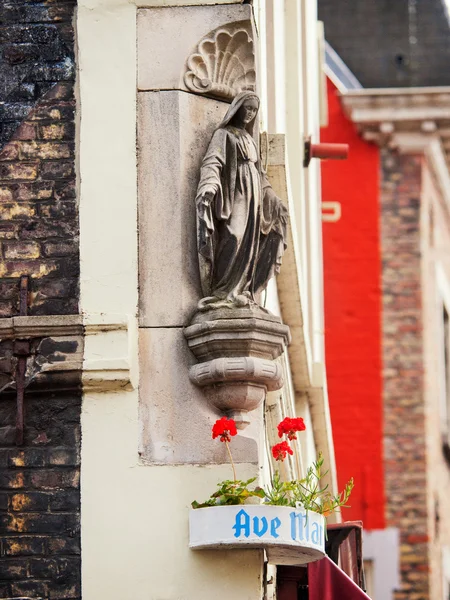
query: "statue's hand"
207, 197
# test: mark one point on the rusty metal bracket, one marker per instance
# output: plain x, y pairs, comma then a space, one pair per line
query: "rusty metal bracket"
22, 352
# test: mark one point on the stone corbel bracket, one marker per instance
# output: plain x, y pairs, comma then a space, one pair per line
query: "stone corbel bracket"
237, 351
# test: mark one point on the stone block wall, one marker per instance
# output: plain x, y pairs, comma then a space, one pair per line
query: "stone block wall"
39, 481
403, 377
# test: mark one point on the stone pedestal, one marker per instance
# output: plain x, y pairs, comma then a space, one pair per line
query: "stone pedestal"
236, 350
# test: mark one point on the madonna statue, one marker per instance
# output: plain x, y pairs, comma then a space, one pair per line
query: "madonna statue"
241, 223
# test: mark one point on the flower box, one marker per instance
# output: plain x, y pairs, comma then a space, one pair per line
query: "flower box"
290, 536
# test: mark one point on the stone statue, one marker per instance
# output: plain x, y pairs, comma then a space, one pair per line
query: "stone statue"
241, 223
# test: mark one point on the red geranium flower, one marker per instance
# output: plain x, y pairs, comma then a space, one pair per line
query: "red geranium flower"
290, 427
280, 451
224, 428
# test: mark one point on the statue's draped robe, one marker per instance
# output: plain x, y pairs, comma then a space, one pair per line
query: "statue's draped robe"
242, 232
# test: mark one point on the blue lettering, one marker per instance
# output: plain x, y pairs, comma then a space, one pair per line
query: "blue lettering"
242, 523
274, 524
315, 533
306, 527
265, 526
296, 525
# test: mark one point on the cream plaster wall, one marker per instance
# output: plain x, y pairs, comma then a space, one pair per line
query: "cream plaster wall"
435, 237
135, 518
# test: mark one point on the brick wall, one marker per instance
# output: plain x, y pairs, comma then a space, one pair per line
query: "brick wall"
39, 487
38, 213
404, 403
39, 499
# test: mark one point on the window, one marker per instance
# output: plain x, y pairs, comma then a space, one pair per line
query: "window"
443, 358
369, 575
446, 357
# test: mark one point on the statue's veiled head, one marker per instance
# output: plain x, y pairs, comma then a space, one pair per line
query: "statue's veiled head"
242, 111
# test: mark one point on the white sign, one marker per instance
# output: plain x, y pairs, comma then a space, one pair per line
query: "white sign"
298, 533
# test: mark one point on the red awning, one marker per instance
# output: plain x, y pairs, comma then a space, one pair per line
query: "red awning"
326, 581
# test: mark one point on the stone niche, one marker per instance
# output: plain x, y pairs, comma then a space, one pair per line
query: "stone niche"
228, 362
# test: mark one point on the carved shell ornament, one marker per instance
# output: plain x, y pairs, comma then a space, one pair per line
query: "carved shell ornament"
223, 64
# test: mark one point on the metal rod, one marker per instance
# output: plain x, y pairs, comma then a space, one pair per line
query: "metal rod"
20, 390
23, 298
22, 351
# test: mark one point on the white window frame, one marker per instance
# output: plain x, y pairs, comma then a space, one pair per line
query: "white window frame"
443, 304
445, 572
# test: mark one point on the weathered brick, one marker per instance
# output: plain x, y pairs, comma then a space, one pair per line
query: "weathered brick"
8, 231
63, 545
6, 309
63, 111
63, 591
8, 289
29, 502
10, 151
4, 501
65, 501
56, 169
63, 457
23, 545
65, 190
16, 211
15, 54
19, 170
11, 479
30, 588
41, 523
11, 269
62, 248
57, 131
55, 306
14, 111
57, 569
13, 568
54, 288
58, 210
64, 89
7, 438
13, 250
27, 457
40, 190
44, 150
26, 131
47, 479
6, 194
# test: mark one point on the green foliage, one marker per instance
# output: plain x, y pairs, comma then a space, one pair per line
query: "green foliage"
280, 493
307, 492
231, 493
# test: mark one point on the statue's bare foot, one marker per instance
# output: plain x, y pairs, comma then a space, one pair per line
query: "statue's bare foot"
241, 300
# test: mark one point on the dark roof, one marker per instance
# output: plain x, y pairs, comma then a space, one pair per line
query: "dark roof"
390, 43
